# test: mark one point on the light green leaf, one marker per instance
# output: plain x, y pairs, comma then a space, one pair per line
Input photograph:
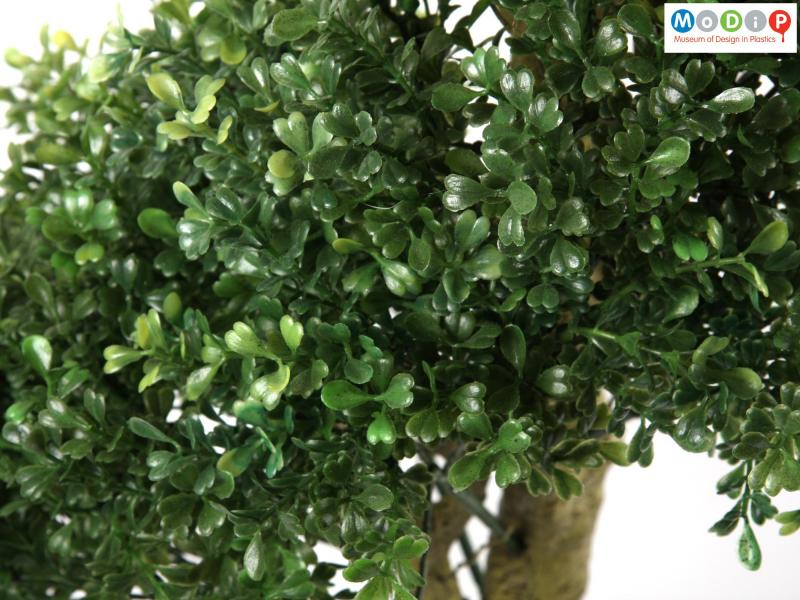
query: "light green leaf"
291, 24
166, 89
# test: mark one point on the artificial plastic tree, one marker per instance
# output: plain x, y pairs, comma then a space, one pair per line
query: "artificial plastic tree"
259, 290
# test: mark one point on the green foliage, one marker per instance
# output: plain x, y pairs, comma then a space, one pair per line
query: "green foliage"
265, 218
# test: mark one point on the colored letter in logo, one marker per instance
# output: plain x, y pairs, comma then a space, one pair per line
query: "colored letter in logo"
755, 20
682, 20
780, 21
731, 20
707, 21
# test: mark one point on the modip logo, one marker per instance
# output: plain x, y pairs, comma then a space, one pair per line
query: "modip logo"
763, 27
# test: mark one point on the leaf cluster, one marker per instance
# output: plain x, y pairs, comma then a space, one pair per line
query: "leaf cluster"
249, 263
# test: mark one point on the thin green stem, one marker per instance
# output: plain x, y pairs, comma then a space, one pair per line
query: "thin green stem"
714, 263
469, 557
474, 505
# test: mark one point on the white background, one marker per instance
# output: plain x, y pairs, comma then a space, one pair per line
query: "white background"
652, 541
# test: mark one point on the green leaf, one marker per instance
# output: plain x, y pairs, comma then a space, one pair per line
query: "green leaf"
255, 559
565, 28
293, 131
38, 289
691, 432
469, 397
567, 258
710, 346
514, 347
166, 89
232, 50
361, 569
420, 254
117, 357
156, 223
671, 154
610, 38
517, 86
743, 382
79, 206
399, 394
203, 110
466, 470
544, 113
207, 86
224, 130
37, 351
715, 233
733, 101
635, 19
682, 303
199, 381
282, 164
358, 371
687, 247
790, 472
511, 437
598, 81
378, 588
56, 154
555, 382
450, 97
343, 395
770, 239
149, 431
462, 192
572, 218
104, 216
172, 307
522, 197
790, 150
615, 451
174, 130
211, 517
475, 425
381, 431
243, 340
507, 471
510, 230
235, 461
400, 279
186, 197
749, 551
376, 497
292, 332
408, 547
90, 252
566, 485
101, 68
291, 24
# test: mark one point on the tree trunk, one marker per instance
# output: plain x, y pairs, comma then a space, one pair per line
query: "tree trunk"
555, 537
447, 523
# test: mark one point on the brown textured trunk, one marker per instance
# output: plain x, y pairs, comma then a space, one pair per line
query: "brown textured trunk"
447, 523
448, 518
555, 538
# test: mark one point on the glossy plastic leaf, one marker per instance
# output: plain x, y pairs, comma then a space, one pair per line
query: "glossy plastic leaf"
291, 24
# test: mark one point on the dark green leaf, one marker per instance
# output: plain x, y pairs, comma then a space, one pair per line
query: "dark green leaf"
450, 97
376, 496
146, 430
733, 100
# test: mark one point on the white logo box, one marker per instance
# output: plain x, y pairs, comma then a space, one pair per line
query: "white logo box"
733, 27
